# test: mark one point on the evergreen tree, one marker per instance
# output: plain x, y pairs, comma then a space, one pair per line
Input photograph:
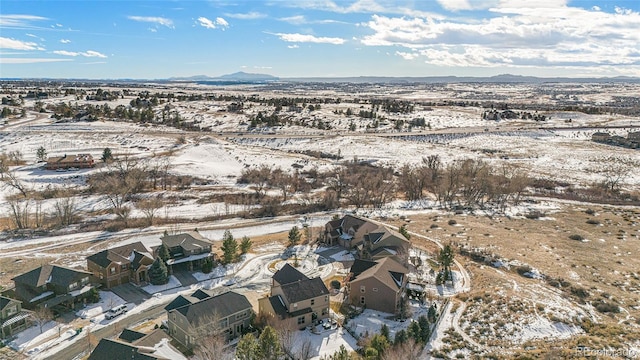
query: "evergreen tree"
446, 259
401, 337
163, 253
106, 155
425, 331
404, 232
158, 274
380, 343
247, 348
207, 265
414, 331
41, 154
294, 236
229, 247
269, 344
245, 245
431, 314
384, 331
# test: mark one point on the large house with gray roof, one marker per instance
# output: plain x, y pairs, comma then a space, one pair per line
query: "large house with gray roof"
369, 239
135, 345
52, 286
120, 265
190, 317
187, 250
295, 299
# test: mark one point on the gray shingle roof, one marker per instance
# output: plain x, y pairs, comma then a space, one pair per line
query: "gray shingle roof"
118, 254
304, 289
53, 274
220, 306
108, 349
130, 336
188, 241
387, 270
288, 274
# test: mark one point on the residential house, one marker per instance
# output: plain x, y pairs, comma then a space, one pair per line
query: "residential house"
378, 285
600, 136
371, 240
134, 345
12, 318
191, 317
72, 161
187, 250
120, 265
52, 286
295, 299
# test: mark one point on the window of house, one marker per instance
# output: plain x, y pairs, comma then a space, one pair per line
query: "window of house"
362, 289
85, 280
295, 305
73, 285
124, 267
313, 301
301, 320
375, 289
326, 298
362, 300
112, 270
325, 311
12, 310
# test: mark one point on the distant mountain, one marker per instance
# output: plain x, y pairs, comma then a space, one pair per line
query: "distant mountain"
239, 76
502, 78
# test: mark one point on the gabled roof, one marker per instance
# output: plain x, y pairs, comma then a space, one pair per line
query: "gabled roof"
180, 301
121, 254
189, 241
130, 336
220, 306
4, 301
108, 349
278, 306
304, 289
387, 271
53, 274
360, 265
288, 274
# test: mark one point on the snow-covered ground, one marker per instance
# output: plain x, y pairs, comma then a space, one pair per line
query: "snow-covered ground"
324, 342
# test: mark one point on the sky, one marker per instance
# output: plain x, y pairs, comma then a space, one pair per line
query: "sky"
143, 39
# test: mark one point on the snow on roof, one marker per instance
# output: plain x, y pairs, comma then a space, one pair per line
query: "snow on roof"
188, 258
41, 296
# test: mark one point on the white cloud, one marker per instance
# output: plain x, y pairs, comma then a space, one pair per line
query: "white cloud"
516, 34
247, 16
456, 5
359, 6
6, 60
65, 41
302, 38
152, 19
19, 21
88, 53
295, 20
8, 43
294, 46
213, 24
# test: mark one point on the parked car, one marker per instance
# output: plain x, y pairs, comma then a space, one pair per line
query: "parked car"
116, 311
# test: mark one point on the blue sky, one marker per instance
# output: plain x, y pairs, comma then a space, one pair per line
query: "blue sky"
310, 38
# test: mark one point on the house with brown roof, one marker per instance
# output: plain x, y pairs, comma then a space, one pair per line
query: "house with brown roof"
12, 318
187, 250
120, 265
378, 285
79, 161
52, 286
295, 299
371, 240
196, 315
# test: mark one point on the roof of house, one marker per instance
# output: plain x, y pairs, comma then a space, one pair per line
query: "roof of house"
109, 349
54, 274
189, 241
220, 306
360, 265
4, 301
70, 158
304, 289
387, 271
121, 254
288, 274
152, 338
130, 336
278, 306
180, 301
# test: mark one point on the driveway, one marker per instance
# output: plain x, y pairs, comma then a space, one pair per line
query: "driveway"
131, 293
185, 277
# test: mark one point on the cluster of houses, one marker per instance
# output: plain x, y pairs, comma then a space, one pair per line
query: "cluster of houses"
377, 280
632, 140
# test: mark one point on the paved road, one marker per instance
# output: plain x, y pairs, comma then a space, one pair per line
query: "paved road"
185, 277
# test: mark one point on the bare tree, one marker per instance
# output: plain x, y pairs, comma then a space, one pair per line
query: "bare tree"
210, 339
19, 212
42, 315
65, 211
407, 350
149, 207
9, 178
614, 170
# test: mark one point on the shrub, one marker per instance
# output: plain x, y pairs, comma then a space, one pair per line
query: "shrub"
590, 212
434, 226
606, 307
452, 222
576, 237
335, 284
593, 222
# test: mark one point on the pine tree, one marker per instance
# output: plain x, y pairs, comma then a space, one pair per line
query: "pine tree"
404, 232
207, 265
163, 253
401, 337
446, 259
269, 344
245, 245
431, 314
425, 331
294, 236
41, 153
247, 348
106, 155
229, 247
384, 331
158, 274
